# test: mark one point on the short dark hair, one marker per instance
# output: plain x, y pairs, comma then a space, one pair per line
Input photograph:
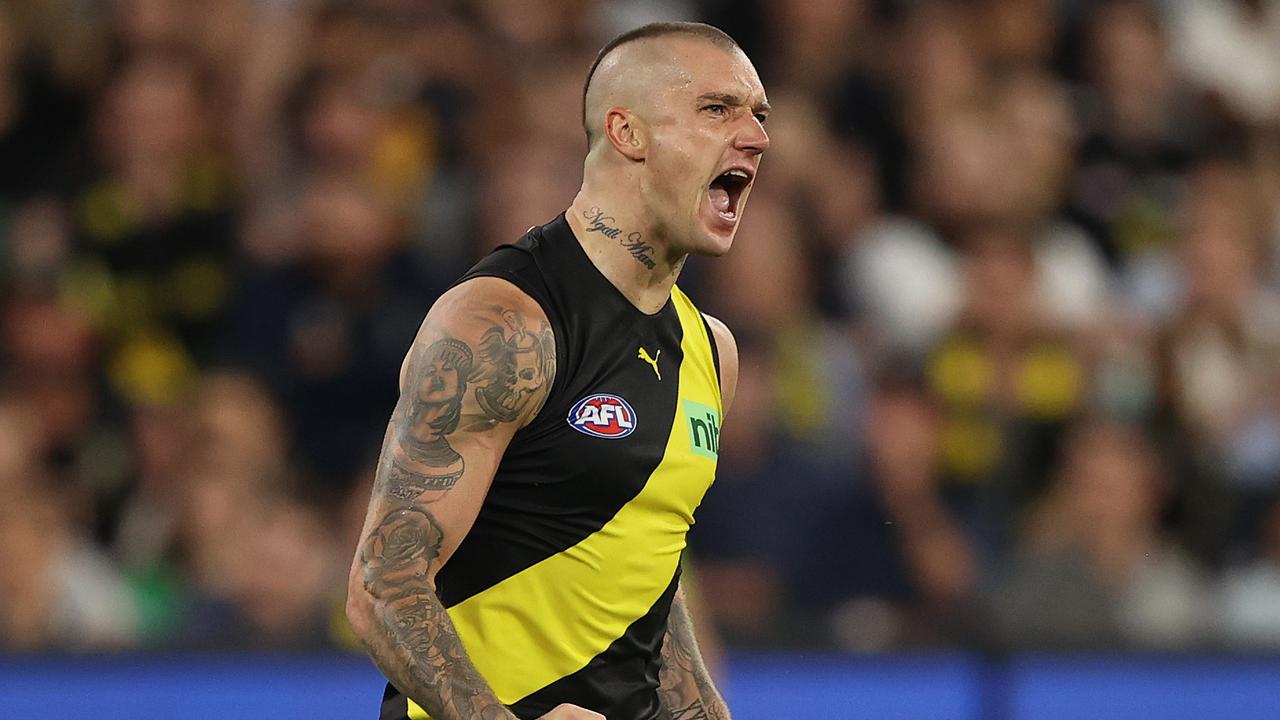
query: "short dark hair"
710, 33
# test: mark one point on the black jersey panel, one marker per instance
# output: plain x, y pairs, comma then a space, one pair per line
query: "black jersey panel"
715, 349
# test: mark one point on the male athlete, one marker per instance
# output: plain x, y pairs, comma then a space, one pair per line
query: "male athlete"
559, 422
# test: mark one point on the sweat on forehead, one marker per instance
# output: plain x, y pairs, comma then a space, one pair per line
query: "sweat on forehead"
631, 65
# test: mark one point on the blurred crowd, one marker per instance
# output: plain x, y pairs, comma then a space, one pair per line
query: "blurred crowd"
1007, 296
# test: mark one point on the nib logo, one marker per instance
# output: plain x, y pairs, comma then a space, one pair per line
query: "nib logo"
704, 429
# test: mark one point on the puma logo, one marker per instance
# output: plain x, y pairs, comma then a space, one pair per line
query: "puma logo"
653, 361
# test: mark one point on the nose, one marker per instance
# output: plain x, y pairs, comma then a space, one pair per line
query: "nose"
752, 137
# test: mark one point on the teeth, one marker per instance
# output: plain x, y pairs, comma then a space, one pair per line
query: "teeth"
738, 174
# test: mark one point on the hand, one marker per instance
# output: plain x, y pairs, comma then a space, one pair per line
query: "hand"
566, 711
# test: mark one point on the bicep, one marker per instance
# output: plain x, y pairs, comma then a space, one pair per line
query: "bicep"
479, 369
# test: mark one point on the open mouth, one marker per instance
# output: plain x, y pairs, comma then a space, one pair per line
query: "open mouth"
725, 191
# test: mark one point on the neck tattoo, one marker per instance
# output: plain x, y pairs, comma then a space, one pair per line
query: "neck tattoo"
633, 243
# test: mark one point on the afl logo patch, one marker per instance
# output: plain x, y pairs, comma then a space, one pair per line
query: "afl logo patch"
603, 415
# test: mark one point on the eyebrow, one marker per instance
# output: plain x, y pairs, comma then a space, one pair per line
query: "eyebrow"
731, 99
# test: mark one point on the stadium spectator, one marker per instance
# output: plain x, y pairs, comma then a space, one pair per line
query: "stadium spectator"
58, 589
1093, 567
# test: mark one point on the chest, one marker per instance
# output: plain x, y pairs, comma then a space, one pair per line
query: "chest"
635, 402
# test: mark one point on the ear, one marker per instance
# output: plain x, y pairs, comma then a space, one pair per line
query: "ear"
627, 133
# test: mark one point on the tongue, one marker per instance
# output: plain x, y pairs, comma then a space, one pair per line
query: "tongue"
719, 198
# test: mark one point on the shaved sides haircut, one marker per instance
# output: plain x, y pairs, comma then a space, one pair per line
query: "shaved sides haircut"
711, 34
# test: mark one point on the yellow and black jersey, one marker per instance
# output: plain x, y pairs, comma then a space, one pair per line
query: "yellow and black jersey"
560, 591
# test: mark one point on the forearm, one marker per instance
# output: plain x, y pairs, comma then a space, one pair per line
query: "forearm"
405, 627
413, 642
686, 690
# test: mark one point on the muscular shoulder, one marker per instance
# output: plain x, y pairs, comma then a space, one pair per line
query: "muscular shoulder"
727, 350
497, 339
472, 303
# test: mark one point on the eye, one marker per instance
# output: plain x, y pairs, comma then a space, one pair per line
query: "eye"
716, 109
761, 117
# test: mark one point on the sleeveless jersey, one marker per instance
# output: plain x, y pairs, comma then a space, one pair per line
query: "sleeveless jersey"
560, 591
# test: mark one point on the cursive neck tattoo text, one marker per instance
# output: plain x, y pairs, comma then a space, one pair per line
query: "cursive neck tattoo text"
633, 243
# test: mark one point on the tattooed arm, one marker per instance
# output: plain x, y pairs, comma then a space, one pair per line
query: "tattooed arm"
480, 368
685, 688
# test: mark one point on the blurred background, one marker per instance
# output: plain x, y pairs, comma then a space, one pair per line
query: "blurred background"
1007, 296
